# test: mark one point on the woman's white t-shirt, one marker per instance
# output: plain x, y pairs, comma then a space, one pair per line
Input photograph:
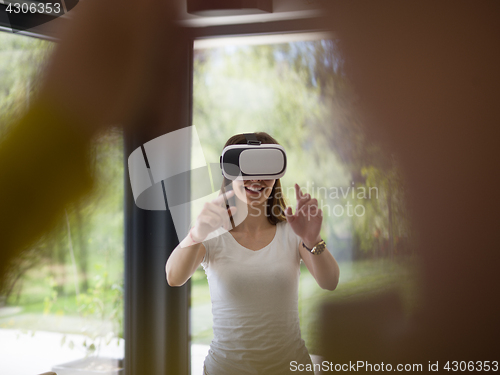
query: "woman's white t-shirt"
255, 305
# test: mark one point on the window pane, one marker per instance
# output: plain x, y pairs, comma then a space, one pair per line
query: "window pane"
294, 88
63, 299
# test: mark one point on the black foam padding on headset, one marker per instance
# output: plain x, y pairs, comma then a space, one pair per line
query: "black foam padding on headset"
252, 139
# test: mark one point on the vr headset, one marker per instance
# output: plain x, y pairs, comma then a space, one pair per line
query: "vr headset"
253, 161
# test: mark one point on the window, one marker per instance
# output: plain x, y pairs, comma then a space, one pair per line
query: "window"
293, 87
63, 299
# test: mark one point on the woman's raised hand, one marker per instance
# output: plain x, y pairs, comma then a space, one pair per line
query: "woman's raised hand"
182, 263
213, 216
306, 222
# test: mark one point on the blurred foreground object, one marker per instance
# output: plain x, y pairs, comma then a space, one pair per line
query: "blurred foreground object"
427, 75
103, 72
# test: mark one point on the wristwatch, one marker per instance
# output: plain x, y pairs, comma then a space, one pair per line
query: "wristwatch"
318, 249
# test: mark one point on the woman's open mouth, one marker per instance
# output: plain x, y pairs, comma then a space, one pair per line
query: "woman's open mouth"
254, 190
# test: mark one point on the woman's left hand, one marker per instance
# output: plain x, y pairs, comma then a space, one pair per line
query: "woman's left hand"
306, 222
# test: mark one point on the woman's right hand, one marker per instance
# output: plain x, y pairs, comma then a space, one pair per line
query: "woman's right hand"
213, 216
189, 254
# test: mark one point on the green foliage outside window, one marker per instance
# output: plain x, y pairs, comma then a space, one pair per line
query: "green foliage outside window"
76, 271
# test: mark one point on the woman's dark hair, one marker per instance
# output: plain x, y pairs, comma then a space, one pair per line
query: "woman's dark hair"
275, 205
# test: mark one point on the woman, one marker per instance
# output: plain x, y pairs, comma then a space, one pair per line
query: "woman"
253, 273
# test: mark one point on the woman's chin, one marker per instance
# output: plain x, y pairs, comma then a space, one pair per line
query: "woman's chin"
255, 203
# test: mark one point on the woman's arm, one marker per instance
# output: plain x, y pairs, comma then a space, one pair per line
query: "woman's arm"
323, 267
183, 261
306, 223
188, 255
